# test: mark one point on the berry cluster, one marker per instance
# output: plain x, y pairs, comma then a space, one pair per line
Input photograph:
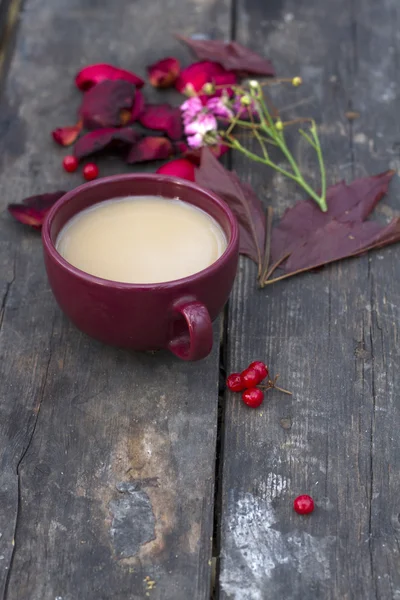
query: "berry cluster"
90, 170
248, 380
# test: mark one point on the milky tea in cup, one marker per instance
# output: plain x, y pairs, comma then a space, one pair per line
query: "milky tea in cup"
141, 239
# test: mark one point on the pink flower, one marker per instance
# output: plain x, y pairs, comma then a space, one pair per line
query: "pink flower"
219, 108
205, 125
190, 109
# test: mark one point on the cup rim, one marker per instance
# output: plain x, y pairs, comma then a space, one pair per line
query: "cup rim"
56, 256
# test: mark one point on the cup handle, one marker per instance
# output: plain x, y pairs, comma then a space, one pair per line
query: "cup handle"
197, 342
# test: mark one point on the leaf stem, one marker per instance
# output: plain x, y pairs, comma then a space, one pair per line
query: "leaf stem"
267, 248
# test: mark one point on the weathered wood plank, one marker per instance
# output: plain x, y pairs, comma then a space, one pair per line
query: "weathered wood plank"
332, 335
106, 457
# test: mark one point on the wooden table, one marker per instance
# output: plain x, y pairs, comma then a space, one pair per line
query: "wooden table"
128, 476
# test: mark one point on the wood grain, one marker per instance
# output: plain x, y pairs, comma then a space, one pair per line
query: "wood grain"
107, 457
332, 335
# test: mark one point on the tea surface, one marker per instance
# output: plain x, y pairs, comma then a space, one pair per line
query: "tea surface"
142, 239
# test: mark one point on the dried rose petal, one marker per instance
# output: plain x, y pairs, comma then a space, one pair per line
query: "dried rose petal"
128, 116
163, 73
33, 210
150, 148
181, 167
163, 117
231, 55
100, 139
65, 136
193, 79
104, 104
138, 106
94, 74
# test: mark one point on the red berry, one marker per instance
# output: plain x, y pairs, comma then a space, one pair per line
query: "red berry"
261, 369
253, 397
90, 171
250, 378
303, 505
70, 163
235, 383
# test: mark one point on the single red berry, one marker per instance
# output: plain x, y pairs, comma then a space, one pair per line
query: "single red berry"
261, 369
250, 378
70, 163
235, 383
303, 504
90, 171
253, 397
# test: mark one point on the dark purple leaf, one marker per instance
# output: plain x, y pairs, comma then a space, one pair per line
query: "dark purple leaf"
231, 55
242, 200
346, 203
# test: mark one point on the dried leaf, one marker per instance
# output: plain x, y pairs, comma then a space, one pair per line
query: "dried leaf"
150, 148
242, 200
231, 55
33, 210
65, 136
164, 73
341, 240
163, 117
306, 238
346, 203
93, 74
100, 139
180, 167
103, 105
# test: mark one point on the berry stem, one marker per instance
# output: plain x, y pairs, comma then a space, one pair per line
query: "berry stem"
272, 385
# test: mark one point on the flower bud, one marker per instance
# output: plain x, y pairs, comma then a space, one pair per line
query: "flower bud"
245, 100
208, 89
279, 125
296, 81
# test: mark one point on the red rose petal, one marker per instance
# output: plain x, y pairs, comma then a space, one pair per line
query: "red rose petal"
100, 139
104, 104
65, 136
194, 155
195, 76
163, 73
33, 210
94, 74
163, 117
181, 167
150, 148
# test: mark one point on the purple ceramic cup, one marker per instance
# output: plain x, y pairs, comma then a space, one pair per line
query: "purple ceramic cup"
176, 315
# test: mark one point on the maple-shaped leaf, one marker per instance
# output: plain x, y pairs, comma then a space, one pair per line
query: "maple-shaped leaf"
307, 238
231, 55
241, 199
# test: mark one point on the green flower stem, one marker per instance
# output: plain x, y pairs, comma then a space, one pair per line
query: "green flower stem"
273, 129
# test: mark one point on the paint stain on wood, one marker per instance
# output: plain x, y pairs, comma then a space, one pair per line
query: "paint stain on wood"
133, 522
